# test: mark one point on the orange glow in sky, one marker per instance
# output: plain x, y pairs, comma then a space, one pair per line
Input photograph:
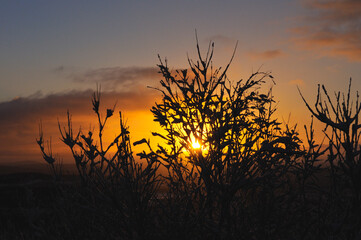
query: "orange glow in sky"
53, 56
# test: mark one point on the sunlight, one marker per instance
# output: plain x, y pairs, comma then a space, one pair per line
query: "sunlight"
198, 146
195, 144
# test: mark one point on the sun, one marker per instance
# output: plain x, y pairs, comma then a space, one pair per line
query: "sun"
195, 144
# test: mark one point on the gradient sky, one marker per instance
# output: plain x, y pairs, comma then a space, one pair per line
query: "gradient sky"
54, 52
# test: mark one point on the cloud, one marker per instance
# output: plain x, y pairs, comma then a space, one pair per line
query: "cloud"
124, 78
21, 110
334, 28
221, 39
337, 11
270, 54
222, 42
297, 82
59, 69
20, 117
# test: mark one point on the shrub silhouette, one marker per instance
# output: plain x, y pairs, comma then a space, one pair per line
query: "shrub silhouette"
341, 116
128, 184
251, 177
244, 155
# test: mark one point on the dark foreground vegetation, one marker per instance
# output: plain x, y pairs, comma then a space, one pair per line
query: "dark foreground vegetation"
251, 177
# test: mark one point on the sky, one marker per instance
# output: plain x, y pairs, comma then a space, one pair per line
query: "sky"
54, 53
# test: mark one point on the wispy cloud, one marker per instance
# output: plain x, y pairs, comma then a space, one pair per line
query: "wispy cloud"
118, 75
222, 42
221, 39
110, 78
297, 82
334, 29
269, 54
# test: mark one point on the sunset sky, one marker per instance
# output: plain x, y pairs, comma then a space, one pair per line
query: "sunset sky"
53, 53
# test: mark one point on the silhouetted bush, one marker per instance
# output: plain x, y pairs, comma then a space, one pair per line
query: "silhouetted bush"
112, 177
231, 169
342, 130
244, 155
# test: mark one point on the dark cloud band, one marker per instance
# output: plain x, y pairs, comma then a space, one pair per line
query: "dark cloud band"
19, 118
